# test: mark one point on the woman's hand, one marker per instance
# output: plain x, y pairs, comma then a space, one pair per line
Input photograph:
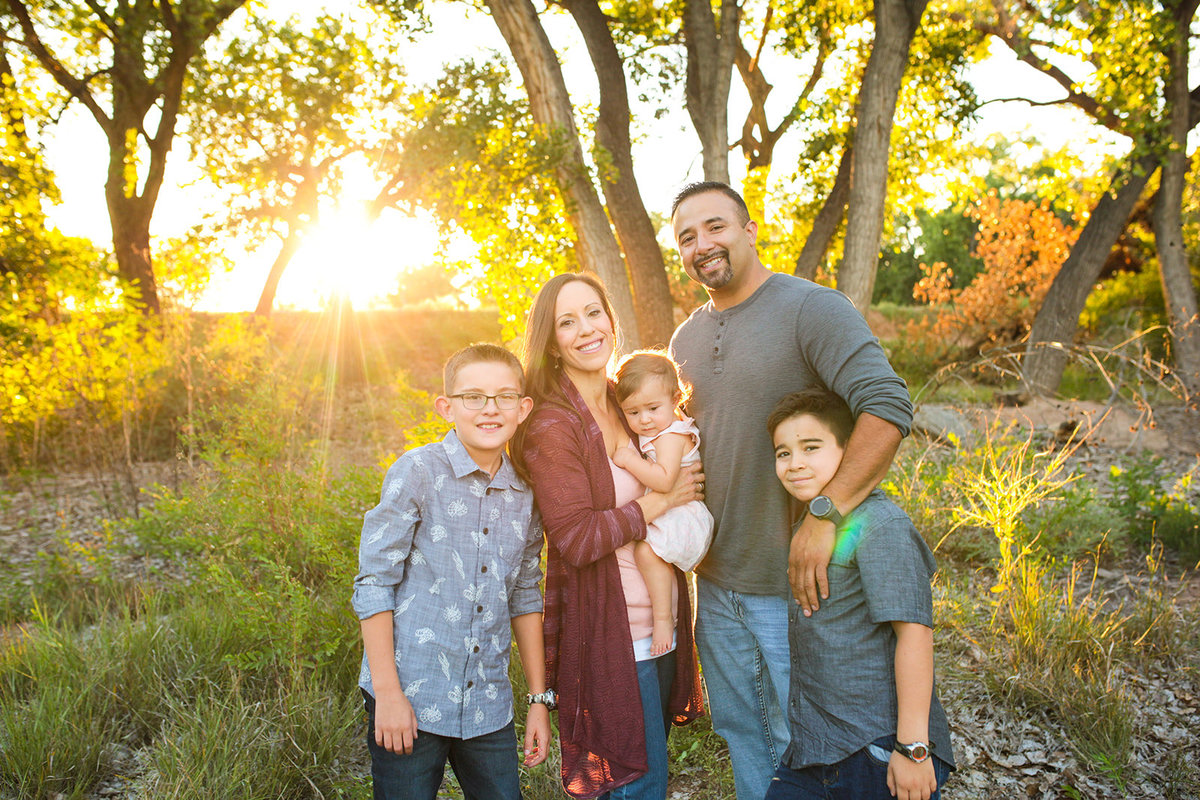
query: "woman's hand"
537, 735
688, 486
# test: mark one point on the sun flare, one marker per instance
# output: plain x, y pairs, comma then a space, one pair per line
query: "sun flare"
360, 258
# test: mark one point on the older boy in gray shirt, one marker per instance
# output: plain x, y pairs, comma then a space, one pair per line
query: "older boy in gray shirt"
865, 718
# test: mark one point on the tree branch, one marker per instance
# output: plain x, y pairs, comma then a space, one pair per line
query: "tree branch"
1021, 45
62, 76
105, 19
762, 38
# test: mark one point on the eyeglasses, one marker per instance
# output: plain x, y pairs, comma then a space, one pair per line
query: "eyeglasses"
505, 401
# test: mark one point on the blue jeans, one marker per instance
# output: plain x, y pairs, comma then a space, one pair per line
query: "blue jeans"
743, 644
486, 766
859, 776
654, 681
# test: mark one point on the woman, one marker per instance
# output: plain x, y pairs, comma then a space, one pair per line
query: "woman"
615, 701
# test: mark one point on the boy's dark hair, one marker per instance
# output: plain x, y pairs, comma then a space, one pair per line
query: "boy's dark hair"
700, 187
637, 367
477, 354
827, 406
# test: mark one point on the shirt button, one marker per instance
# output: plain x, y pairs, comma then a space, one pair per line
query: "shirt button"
485, 531
483, 569
478, 609
475, 649
470, 684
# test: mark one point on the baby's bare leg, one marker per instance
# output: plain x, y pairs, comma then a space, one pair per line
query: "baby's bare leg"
659, 577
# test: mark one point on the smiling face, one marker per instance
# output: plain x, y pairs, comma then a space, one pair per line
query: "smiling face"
807, 455
583, 331
484, 432
716, 242
651, 409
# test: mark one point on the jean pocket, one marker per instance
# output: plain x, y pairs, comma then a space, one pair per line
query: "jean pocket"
878, 753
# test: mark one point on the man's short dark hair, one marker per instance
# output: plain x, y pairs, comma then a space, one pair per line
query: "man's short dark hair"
827, 406
700, 187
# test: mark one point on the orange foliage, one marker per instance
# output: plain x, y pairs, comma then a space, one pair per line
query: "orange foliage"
1022, 245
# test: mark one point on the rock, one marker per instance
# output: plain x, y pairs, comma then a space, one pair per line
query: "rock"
940, 422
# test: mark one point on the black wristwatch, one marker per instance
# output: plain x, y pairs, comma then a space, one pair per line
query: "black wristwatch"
822, 507
917, 751
547, 698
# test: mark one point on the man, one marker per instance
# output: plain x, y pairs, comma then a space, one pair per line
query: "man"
763, 335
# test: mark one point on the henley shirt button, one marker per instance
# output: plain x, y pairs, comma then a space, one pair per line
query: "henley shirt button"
475, 649
478, 608
483, 569
470, 684
485, 531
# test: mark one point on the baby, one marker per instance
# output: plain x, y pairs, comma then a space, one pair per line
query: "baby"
650, 393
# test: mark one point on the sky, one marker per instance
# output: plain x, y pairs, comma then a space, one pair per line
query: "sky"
369, 259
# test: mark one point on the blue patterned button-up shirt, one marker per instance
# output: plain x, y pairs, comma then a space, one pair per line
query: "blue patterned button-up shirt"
454, 554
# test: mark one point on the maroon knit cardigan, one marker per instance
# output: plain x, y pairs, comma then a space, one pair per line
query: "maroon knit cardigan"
589, 652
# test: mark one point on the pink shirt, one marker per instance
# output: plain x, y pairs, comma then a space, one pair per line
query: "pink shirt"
637, 597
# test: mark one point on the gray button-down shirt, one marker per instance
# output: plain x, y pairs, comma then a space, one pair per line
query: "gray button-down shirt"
454, 554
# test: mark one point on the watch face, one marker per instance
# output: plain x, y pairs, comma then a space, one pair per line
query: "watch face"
820, 506
919, 752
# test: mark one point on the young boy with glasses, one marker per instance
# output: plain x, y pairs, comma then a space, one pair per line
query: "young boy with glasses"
449, 560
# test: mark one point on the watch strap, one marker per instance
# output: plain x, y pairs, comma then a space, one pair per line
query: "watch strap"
548, 698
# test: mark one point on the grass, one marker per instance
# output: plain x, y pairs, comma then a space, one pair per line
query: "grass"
230, 668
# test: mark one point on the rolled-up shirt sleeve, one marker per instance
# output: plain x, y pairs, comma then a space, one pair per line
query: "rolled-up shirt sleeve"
526, 594
842, 350
387, 537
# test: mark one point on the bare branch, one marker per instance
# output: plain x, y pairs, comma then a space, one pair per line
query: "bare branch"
1006, 30
762, 39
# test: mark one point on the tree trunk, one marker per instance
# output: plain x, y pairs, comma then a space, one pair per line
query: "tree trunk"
551, 107
759, 148
643, 256
828, 218
171, 34
1058, 319
710, 54
896, 22
266, 300
129, 219
1178, 291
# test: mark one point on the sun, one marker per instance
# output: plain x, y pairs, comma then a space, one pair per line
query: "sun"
350, 254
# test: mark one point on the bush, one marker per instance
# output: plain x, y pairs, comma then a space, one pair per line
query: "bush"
1155, 508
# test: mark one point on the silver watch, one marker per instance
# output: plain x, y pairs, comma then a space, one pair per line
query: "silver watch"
917, 751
